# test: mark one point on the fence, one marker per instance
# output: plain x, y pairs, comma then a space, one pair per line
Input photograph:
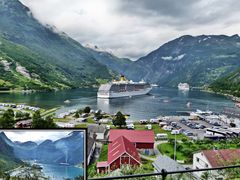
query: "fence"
165, 173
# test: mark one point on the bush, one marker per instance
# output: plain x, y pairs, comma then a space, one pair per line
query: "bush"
87, 109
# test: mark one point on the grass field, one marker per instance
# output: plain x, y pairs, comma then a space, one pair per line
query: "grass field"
157, 129
185, 150
104, 153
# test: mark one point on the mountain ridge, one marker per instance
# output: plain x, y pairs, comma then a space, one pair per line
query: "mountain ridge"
72, 63
197, 60
61, 150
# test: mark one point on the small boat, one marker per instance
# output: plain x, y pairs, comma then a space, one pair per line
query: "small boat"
183, 86
154, 85
65, 164
165, 100
67, 101
189, 104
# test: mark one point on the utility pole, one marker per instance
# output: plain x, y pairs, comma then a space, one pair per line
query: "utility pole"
175, 147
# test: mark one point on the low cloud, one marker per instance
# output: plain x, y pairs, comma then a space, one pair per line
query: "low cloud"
133, 28
35, 135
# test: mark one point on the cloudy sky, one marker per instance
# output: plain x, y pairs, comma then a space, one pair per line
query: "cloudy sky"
133, 28
36, 136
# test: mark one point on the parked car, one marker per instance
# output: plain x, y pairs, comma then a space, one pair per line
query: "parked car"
143, 121
154, 121
167, 128
148, 126
130, 126
161, 124
173, 124
175, 131
161, 136
84, 115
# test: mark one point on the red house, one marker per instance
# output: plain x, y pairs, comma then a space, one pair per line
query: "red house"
120, 152
140, 138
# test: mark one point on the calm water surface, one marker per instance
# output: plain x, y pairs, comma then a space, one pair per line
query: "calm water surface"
161, 101
60, 172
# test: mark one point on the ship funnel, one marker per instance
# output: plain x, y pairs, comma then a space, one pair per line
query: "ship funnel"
122, 78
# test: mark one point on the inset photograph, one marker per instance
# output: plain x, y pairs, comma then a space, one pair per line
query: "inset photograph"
43, 154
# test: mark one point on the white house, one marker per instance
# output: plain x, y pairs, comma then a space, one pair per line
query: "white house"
215, 158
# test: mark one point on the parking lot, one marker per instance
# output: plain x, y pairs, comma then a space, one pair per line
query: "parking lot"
192, 128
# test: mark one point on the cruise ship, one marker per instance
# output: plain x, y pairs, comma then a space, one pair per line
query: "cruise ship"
183, 86
123, 88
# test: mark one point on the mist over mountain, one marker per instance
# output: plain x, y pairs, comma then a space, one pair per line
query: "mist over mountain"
36, 56
39, 57
68, 150
8, 160
197, 60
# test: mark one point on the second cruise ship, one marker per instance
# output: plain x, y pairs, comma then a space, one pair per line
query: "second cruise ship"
123, 88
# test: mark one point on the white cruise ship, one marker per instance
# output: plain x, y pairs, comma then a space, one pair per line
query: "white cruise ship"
123, 88
183, 86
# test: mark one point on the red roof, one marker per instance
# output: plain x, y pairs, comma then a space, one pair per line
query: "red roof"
102, 164
222, 157
136, 136
120, 146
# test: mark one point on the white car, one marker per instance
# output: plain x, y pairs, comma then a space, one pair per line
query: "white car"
130, 126
148, 126
175, 132
162, 124
154, 120
143, 121
167, 128
161, 136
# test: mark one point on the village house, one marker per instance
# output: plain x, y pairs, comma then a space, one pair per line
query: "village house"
215, 158
120, 152
165, 162
142, 139
123, 148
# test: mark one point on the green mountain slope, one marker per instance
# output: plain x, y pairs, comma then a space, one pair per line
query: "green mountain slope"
113, 62
7, 158
197, 60
229, 84
21, 68
56, 54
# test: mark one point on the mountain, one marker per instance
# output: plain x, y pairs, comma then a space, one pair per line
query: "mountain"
8, 160
65, 150
113, 62
197, 60
229, 84
39, 57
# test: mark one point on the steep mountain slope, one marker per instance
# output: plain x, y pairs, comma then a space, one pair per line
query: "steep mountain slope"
7, 156
229, 84
111, 61
196, 60
65, 150
72, 63
22, 68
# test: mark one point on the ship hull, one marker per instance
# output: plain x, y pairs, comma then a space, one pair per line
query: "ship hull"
111, 94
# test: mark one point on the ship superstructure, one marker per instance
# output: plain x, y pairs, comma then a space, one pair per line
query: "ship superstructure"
123, 88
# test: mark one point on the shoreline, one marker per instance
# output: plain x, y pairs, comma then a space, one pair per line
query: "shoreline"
232, 97
45, 90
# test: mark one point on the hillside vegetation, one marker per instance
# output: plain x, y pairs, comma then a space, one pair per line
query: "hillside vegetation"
229, 84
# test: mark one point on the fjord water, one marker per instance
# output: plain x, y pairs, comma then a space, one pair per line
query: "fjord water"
161, 101
56, 172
